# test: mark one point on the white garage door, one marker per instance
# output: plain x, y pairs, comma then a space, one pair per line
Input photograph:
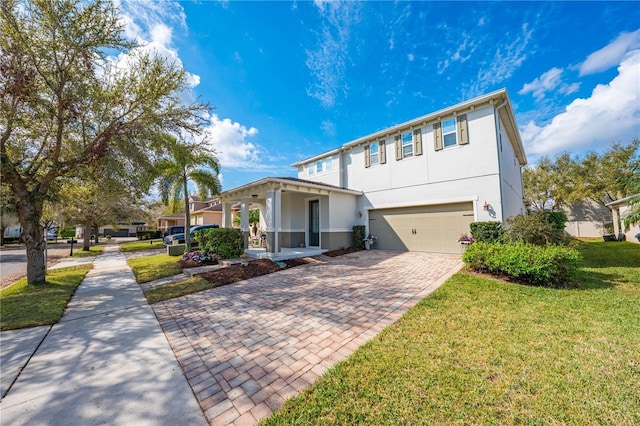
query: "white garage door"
421, 228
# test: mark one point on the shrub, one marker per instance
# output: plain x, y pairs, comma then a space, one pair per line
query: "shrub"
487, 232
537, 228
358, 237
550, 266
225, 242
148, 235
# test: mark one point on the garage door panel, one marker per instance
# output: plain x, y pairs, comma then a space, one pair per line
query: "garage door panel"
421, 228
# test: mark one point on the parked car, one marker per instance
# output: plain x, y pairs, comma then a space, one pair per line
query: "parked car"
174, 230
52, 234
169, 239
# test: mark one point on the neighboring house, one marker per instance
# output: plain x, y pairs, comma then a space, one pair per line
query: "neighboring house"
416, 185
122, 229
619, 210
166, 222
587, 219
205, 212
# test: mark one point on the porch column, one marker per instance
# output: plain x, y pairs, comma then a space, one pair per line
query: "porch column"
244, 222
616, 221
226, 214
272, 219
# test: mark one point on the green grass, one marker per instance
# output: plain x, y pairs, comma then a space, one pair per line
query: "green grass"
150, 268
93, 251
481, 351
141, 245
23, 305
177, 289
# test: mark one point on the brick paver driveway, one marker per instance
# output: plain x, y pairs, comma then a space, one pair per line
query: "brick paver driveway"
247, 347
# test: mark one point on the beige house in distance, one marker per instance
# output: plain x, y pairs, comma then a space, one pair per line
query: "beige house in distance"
587, 219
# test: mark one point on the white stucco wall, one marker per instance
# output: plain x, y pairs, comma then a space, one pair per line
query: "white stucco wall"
510, 174
342, 212
478, 172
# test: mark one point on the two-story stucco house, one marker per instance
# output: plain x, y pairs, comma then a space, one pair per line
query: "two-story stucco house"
416, 185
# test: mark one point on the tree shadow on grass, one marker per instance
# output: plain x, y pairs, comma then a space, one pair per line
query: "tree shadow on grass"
590, 280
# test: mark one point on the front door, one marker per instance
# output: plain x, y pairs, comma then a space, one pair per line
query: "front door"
314, 223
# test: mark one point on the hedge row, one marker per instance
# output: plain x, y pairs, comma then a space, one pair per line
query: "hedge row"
148, 235
550, 265
225, 242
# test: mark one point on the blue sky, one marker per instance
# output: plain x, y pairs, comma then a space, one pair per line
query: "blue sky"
290, 80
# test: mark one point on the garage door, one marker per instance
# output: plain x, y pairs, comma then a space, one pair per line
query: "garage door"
422, 228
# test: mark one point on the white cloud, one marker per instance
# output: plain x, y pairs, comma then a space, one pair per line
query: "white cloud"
231, 142
610, 114
507, 58
410, 57
545, 83
152, 24
327, 62
328, 127
610, 55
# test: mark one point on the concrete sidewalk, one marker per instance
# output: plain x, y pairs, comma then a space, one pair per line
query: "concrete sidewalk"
107, 361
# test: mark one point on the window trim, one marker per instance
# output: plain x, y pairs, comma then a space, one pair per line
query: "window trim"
461, 132
406, 143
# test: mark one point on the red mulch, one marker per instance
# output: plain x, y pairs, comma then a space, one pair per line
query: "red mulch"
255, 268
340, 252
235, 273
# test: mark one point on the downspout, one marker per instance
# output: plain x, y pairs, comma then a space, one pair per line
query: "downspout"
497, 124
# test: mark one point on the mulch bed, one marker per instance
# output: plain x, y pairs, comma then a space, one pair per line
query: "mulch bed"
235, 273
340, 252
255, 268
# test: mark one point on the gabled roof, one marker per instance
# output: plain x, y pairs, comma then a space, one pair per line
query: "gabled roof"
621, 200
284, 183
216, 208
173, 216
499, 98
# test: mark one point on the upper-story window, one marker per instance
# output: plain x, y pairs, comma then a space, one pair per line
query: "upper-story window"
409, 144
319, 166
374, 154
450, 132
312, 168
327, 164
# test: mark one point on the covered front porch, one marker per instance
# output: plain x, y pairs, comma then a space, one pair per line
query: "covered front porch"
299, 218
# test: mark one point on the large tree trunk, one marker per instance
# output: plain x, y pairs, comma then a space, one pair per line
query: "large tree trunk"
86, 242
30, 213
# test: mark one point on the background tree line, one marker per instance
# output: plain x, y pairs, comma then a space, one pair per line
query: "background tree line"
601, 178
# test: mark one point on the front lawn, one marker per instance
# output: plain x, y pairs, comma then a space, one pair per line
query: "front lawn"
141, 245
23, 305
93, 251
178, 289
481, 351
150, 268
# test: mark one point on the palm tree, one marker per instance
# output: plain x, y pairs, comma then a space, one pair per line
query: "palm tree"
187, 162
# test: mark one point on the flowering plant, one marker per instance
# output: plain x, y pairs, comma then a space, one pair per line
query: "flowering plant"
465, 240
197, 257
370, 239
